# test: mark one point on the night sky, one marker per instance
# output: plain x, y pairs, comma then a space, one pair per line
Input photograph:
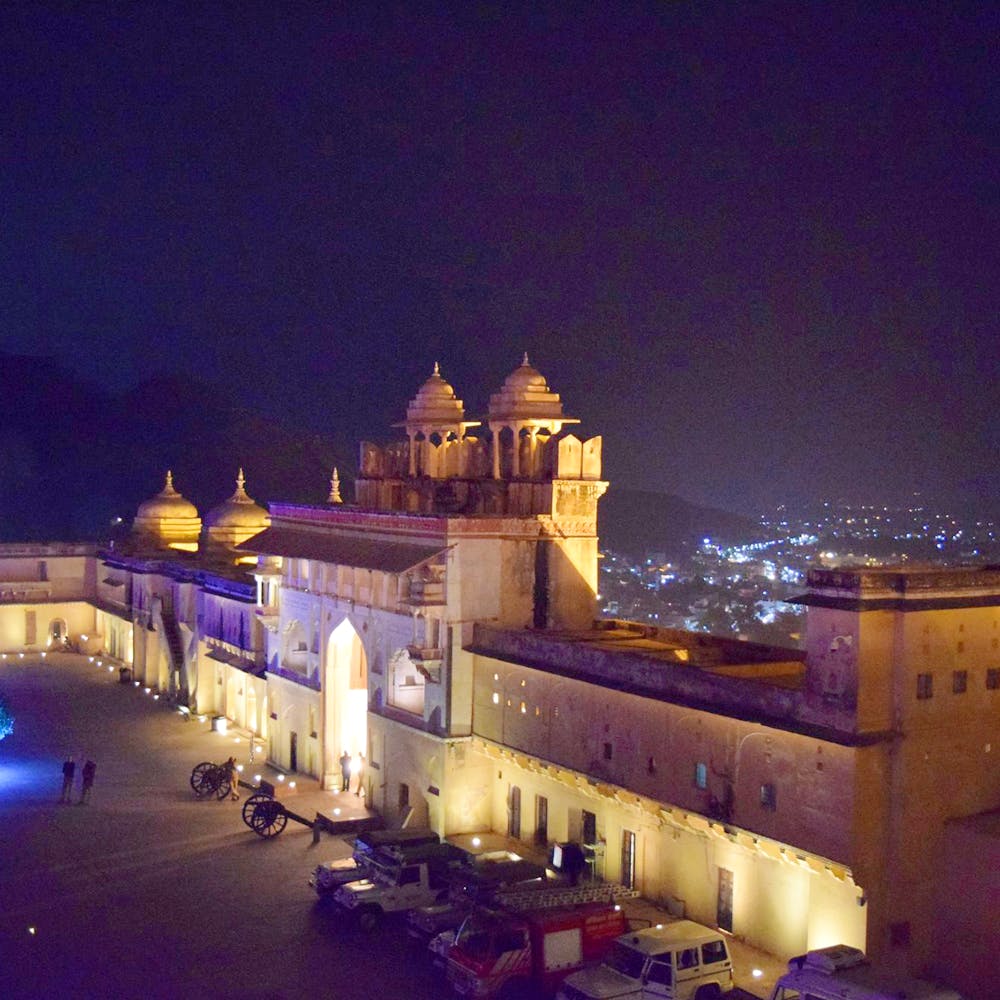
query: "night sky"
753, 245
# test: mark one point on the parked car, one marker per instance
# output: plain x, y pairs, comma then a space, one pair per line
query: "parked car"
680, 960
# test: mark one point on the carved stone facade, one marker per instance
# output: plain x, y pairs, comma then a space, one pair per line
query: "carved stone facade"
444, 626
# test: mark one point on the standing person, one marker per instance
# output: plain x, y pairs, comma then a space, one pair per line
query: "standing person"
69, 769
361, 773
345, 771
88, 781
234, 779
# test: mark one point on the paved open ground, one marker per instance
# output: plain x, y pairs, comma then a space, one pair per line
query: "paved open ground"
146, 891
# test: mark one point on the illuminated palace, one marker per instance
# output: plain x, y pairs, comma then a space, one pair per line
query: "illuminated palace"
444, 625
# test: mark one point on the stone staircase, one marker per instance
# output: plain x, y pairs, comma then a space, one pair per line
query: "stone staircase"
172, 633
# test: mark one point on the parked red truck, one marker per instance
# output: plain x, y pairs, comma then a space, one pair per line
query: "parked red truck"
500, 953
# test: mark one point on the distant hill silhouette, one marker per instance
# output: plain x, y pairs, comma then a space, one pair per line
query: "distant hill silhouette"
637, 523
73, 457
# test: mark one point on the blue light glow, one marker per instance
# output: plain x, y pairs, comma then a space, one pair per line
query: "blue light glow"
6, 721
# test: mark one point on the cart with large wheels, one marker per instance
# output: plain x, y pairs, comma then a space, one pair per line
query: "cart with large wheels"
262, 812
209, 779
265, 815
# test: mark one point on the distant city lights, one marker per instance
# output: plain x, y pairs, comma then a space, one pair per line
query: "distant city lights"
740, 587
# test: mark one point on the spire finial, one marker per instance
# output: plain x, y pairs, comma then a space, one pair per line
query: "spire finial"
334, 496
525, 363
437, 369
170, 481
240, 496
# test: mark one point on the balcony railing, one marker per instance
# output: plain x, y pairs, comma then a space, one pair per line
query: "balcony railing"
424, 592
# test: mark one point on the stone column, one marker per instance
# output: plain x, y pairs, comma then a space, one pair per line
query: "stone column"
495, 445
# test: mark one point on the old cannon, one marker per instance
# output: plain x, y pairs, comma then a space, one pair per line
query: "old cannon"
266, 816
262, 812
211, 779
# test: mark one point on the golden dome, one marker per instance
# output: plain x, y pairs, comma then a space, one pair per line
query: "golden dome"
525, 378
169, 518
435, 403
525, 395
238, 518
167, 503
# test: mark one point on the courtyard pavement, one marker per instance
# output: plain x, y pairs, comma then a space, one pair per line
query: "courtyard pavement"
147, 891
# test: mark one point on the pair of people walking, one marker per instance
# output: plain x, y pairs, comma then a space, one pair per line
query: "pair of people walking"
86, 780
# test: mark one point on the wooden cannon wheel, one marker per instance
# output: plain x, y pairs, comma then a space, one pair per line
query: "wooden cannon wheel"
201, 781
264, 815
210, 779
250, 805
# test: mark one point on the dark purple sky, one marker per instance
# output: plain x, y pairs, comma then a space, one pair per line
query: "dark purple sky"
753, 245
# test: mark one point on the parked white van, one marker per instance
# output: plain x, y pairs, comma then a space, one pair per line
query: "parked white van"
843, 973
677, 961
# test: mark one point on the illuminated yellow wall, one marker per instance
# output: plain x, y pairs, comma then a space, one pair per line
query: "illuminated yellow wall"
116, 636
940, 762
79, 617
652, 747
296, 707
785, 900
398, 756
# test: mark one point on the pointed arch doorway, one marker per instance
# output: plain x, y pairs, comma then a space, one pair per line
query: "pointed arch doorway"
345, 700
